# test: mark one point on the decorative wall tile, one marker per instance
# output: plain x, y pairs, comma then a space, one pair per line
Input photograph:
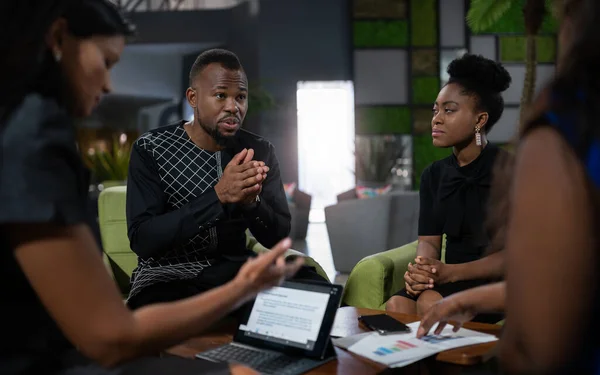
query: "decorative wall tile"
425, 89
514, 49
380, 34
447, 55
380, 77
422, 121
484, 45
425, 154
425, 61
517, 73
505, 129
452, 23
423, 26
382, 120
379, 9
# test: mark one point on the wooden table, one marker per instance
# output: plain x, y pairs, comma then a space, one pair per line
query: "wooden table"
346, 324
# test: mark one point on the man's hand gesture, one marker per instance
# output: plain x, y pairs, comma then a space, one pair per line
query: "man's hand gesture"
242, 179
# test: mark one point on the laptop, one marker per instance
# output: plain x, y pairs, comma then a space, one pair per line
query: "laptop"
285, 331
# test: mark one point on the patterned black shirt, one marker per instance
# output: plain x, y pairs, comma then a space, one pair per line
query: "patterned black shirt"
176, 224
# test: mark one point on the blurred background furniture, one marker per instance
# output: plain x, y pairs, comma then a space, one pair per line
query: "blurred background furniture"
358, 228
118, 256
300, 210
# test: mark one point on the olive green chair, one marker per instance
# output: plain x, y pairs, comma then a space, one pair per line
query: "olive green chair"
376, 278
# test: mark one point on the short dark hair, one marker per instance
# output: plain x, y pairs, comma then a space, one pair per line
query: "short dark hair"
227, 59
483, 79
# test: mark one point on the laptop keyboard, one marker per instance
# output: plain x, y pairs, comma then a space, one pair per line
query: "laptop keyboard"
264, 362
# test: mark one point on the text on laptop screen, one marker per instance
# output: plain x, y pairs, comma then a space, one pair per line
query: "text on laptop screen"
288, 316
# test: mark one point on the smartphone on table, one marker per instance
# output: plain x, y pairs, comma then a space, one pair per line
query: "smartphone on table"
383, 324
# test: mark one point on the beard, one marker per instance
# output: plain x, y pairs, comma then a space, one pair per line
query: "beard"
220, 139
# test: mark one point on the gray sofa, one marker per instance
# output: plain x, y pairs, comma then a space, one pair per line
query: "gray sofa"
361, 227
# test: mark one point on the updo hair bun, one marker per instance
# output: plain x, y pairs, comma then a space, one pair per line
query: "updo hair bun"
481, 72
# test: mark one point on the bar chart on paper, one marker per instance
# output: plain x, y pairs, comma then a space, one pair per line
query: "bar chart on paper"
397, 347
399, 350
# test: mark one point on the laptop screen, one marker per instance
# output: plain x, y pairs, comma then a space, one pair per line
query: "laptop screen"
290, 315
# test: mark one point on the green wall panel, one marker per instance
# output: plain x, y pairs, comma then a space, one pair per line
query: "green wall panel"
383, 120
380, 34
424, 25
422, 120
514, 49
425, 89
513, 22
425, 154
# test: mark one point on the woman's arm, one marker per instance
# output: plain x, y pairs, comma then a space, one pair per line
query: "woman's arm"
430, 247
462, 307
489, 267
551, 257
66, 271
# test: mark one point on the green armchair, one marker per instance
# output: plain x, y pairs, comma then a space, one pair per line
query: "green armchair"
118, 256
377, 277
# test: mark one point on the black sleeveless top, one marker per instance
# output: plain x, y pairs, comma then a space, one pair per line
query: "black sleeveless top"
454, 202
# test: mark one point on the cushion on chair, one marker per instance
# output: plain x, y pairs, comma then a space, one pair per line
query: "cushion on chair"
113, 230
372, 280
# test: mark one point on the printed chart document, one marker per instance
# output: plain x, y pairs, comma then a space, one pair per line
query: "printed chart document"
403, 349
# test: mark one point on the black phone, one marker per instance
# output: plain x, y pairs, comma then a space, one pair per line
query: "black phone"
384, 324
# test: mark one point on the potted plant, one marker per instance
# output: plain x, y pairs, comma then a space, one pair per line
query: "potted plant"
485, 13
109, 165
259, 99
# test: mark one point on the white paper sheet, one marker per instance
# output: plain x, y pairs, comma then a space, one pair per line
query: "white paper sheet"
403, 349
348, 341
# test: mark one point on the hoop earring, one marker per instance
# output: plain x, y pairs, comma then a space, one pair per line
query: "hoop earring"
478, 136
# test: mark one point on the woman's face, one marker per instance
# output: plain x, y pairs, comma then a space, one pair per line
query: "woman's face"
454, 117
85, 63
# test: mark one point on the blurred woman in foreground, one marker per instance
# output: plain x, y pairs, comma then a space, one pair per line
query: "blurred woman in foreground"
55, 61
551, 290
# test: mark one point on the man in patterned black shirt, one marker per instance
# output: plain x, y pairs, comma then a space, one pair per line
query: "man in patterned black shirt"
195, 187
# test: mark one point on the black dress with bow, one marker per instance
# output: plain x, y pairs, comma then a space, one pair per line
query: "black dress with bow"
453, 201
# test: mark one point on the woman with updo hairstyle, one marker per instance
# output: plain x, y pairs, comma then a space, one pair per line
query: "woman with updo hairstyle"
454, 191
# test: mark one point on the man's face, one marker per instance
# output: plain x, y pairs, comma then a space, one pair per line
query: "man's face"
220, 98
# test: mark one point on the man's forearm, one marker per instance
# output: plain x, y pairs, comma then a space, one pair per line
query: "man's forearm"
489, 267
153, 236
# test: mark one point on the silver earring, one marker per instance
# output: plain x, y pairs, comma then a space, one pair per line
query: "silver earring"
57, 56
478, 136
